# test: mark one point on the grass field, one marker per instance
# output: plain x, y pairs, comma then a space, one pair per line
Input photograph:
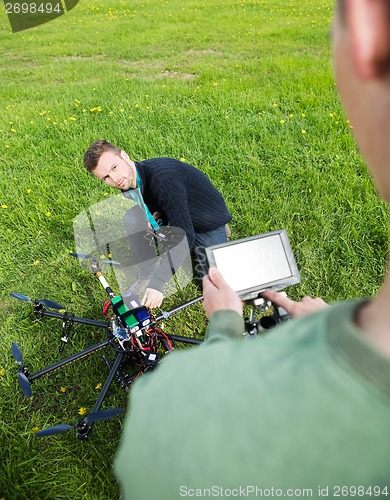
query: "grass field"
241, 89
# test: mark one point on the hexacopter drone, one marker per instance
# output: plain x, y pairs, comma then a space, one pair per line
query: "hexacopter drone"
132, 332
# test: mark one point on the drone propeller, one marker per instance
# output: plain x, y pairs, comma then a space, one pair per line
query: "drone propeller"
88, 256
96, 416
17, 353
48, 303
25, 385
24, 382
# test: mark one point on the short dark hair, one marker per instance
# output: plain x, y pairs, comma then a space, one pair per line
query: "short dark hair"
95, 151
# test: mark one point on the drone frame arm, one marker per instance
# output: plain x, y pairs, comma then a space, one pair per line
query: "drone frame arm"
67, 361
65, 316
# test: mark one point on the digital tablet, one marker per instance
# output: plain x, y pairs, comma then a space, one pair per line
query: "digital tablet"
256, 263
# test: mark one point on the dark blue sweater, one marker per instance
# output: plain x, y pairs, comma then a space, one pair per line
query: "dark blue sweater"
183, 195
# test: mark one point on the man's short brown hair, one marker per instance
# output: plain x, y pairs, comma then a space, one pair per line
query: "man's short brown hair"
95, 151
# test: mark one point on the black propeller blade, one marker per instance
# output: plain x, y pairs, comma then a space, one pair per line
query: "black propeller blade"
51, 304
48, 303
20, 296
25, 385
56, 429
17, 353
24, 382
100, 415
96, 416
88, 256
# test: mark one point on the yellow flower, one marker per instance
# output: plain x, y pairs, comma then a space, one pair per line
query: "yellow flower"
303, 131
2, 372
28, 190
102, 256
82, 411
281, 121
36, 262
4, 206
99, 386
72, 118
303, 115
35, 429
290, 115
63, 389
13, 130
48, 214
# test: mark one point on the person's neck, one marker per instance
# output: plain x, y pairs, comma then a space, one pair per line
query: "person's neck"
374, 318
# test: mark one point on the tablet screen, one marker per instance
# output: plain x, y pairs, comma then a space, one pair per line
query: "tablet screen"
256, 263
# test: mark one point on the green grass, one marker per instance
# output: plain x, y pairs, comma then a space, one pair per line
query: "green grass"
241, 89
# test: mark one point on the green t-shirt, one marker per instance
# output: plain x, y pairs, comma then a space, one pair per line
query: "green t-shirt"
300, 411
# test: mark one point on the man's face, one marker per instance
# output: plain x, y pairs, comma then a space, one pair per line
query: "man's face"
365, 93
116, 171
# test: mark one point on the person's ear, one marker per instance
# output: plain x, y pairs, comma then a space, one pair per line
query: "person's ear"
368, 22
124, 155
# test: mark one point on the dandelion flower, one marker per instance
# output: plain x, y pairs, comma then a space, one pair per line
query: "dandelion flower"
282, 121
303, 131
4, 206
99, 386
82, 411
35, 429
63, 389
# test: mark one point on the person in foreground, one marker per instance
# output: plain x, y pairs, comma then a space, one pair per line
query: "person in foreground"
304, 410
167, 189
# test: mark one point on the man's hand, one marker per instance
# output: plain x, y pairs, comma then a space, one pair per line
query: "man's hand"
305, 306
152, 298
217, 294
